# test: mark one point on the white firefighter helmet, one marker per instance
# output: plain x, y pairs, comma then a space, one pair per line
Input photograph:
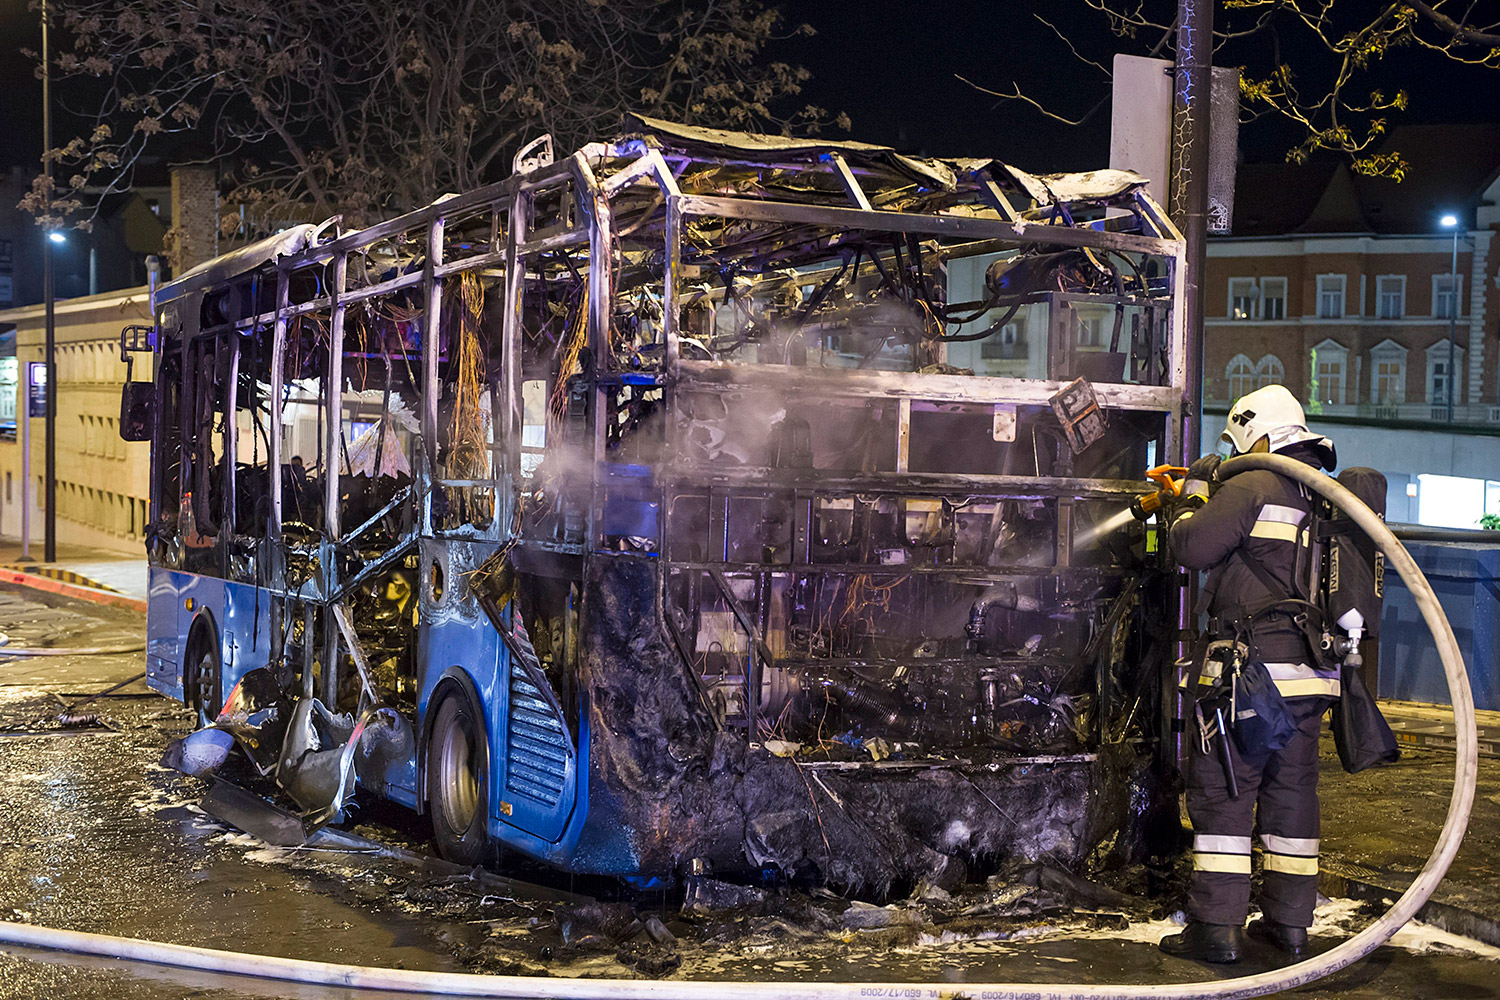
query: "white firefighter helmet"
1273, 413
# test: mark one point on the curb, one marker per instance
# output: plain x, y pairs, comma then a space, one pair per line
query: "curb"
58, 573
1334, 881
74, 590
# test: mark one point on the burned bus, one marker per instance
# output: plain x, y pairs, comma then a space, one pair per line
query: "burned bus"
698, 501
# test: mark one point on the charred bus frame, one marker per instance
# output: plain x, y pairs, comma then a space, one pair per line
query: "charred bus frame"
498, 551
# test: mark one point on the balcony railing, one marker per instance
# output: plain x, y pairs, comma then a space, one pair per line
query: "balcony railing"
1416, 412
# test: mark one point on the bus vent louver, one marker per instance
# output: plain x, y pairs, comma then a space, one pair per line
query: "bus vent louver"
537, 756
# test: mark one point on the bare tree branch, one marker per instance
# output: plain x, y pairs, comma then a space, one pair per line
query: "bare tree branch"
1325, 95
369, 108
1073, 48
1018, 96
1455, 28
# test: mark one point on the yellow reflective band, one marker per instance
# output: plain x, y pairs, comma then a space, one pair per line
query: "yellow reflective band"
1185, 515
1309, 688
1277, 530
1289, 865
1233, 864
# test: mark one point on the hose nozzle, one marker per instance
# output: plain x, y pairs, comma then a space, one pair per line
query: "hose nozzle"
1169, 489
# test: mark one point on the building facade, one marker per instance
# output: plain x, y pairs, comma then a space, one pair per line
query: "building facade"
1355, 324
102, 481
1348, 290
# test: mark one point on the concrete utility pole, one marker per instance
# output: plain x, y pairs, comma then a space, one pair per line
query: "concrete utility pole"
1191, 81
49, 359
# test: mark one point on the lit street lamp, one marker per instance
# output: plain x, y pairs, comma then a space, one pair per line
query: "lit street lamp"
1450, 221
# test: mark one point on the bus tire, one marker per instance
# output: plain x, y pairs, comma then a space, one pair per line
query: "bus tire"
201, 676
458, 764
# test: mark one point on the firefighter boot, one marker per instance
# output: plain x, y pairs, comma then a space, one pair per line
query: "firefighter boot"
1202, 942
1290, 941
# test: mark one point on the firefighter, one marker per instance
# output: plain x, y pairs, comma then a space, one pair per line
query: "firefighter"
1251, 534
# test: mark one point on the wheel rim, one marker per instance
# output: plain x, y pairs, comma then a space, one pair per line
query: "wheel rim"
207, 684
459, 783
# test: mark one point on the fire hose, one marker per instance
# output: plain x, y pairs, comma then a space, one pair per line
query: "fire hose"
1306, 971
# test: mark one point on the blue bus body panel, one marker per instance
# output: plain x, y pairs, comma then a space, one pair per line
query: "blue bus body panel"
533, 785
539, 791
165, 632
244, 632
241, 619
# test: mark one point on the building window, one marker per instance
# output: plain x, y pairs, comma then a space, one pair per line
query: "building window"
1330, 359
1331, 382
1244, 300
1330, 296
1388, 374
1437, 383
1447, 291
1390, 382
1241, 376
1441, 381
1268, 371
1390, 295
1273, 298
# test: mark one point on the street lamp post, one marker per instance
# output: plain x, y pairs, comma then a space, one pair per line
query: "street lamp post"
49, 516
1451, 222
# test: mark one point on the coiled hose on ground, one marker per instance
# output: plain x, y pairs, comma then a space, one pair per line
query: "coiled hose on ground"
462, 984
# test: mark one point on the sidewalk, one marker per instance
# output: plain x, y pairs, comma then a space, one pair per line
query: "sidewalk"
106, 570
1380, 825
1431, 727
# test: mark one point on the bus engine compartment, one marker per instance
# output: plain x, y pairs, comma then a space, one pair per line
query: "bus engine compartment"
735, 490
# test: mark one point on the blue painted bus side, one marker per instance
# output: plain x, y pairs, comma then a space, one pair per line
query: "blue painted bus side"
535, 806
239, 612
551, 823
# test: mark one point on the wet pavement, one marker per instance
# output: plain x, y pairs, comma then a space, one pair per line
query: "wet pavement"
96, 836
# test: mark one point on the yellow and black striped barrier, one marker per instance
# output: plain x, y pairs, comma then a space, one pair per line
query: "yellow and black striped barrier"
60, 574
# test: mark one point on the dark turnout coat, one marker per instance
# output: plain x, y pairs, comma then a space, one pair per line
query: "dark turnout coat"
1269, 517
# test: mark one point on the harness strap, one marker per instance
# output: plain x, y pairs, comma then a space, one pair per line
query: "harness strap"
1304, 620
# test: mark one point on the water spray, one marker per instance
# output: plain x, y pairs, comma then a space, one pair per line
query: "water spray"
1169, 489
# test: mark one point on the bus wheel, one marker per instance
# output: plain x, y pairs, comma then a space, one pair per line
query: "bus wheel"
201, 683
457, 781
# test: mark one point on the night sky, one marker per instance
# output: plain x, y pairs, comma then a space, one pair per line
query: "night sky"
891, 65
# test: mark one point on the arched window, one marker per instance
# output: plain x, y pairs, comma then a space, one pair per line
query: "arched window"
1388, 374
1440, 381
1331, 372
1241, 376
1268, 371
